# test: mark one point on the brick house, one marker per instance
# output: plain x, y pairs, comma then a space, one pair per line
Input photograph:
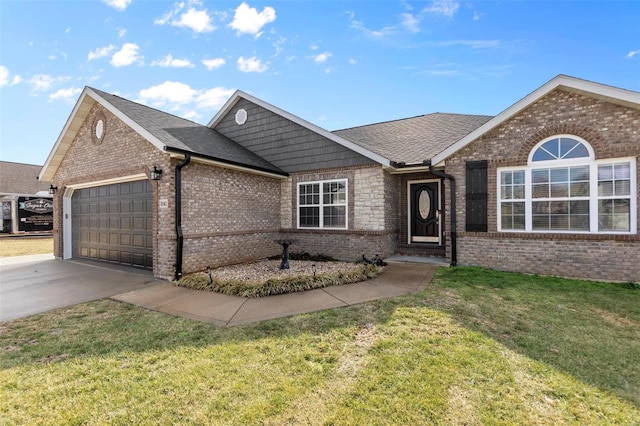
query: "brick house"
548, 186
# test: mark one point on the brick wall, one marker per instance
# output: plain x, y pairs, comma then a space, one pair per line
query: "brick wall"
612, 130
228, 216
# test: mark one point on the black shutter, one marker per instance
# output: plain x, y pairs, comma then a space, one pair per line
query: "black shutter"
476, 196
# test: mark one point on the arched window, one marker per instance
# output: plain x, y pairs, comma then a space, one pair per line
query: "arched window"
565, 189
560, 148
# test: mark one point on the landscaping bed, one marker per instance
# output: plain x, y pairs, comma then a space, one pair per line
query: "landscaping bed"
265, 278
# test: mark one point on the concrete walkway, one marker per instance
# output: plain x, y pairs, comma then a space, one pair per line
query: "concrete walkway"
398, 278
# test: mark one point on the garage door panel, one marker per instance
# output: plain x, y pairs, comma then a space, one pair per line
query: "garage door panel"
114, 224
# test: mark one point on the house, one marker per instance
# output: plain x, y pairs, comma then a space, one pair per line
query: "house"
26, 203
548, 186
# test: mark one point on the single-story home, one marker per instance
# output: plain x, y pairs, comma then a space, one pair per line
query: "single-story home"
548, 186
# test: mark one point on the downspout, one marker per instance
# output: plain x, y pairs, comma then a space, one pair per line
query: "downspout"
178, 212
454, 255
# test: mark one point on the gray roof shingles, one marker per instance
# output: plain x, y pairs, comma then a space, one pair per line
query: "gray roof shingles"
410, 140
188, 136
19, 178
416, 139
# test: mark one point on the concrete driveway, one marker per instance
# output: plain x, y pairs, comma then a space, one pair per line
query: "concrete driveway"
40, 283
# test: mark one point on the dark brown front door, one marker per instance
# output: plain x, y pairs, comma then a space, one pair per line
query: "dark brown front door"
424, 213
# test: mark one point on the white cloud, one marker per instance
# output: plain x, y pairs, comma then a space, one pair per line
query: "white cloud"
247, 20
212, 64
127, 55
252, 64
171, 62
68, 95
214, 98
41, 82
314, 46
474, 44
100, 52
191, 115
176, 96
476, 15
322, 57
4, 75
198, 20
410, 22
376, 34
16, 80
353, 61
169, 91
446, 8
121, 32
118, 4
633, 53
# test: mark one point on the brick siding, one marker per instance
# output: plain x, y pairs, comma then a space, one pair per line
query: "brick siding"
612, 130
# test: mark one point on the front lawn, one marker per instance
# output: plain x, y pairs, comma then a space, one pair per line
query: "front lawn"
476, 347
20, 246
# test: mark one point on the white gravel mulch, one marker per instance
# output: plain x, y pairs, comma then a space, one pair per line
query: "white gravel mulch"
265, 269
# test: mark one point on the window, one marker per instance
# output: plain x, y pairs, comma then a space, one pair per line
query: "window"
564, 189
322, 204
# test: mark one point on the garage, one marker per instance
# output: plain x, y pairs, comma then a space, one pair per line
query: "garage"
114, 223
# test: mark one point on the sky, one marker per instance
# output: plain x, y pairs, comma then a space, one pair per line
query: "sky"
337, 64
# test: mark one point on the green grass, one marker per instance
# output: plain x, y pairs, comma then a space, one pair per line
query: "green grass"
476, 347
20, 246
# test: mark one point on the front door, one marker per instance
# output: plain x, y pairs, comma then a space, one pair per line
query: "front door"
424, 212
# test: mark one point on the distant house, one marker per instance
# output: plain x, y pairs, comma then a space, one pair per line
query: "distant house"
548, 186
26, 203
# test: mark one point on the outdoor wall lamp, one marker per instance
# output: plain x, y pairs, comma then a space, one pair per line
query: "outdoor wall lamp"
156, 173
53, 190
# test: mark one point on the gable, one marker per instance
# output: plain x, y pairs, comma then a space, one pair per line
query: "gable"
610, 128
596, 92
284, 143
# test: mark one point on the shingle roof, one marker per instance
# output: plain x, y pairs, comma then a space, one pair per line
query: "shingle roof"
185, 135
19, 178
413, 140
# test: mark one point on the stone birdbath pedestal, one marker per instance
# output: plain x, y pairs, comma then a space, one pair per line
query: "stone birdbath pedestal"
285, 252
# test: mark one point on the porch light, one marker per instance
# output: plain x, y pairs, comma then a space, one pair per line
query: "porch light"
156, 173
53, 189
313, 268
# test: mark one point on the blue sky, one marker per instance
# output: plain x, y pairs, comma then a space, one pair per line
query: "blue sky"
337, 64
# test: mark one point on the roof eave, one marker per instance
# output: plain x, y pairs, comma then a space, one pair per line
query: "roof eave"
228, 163
612, 94
233, 100
78, 115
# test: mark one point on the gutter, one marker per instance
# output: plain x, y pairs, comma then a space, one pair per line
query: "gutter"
178, 217
452, 188
231, 163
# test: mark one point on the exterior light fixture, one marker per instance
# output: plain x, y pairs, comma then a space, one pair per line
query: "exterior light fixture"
53, 189
156, 173
313, 268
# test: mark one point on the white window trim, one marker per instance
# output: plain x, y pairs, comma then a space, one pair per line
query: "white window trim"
321, 204
569, 161
593, 194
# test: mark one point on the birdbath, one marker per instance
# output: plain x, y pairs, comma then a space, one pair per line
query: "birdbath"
285, 252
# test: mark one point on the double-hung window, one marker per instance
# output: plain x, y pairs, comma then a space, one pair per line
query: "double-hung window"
564, 189
322, 204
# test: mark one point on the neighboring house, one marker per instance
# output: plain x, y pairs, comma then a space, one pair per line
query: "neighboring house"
549, 186
19, 185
